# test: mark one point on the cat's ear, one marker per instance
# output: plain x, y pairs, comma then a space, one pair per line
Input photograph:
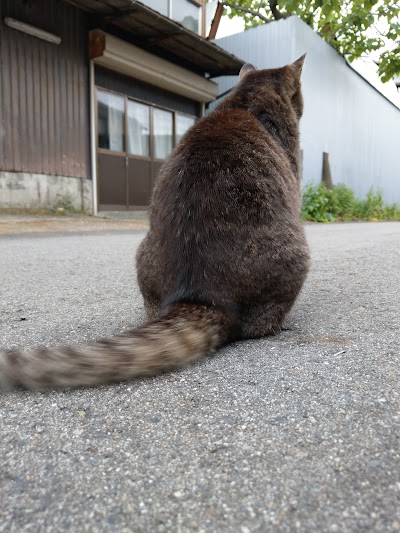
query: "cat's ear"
247, 67
298, 65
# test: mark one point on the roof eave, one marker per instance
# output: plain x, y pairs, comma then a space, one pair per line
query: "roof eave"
148, 29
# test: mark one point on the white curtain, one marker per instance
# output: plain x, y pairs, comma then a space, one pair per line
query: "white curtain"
138, 128
116, 123
182, 124
162, 133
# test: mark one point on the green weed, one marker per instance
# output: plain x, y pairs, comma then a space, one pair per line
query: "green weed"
340, 204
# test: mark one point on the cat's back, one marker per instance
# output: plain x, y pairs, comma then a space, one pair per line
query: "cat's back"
227, 158
228, 134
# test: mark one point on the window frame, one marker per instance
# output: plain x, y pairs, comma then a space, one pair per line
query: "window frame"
152, 106
108, 150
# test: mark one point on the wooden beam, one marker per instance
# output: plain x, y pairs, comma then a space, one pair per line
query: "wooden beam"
97, 43
216, 20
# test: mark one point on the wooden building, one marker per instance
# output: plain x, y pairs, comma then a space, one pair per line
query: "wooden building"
94, 94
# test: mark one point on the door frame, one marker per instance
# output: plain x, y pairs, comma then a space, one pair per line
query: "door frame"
95, 150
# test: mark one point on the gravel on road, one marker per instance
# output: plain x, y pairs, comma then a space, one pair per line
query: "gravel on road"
297, 432
33, 224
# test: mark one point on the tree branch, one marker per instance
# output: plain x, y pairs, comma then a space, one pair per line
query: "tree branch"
246, 10
273, 5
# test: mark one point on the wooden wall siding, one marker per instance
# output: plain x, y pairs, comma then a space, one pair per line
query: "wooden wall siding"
44, 91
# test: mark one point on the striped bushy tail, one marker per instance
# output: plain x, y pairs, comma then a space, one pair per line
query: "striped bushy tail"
182, 334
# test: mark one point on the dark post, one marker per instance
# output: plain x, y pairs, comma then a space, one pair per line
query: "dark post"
326, 171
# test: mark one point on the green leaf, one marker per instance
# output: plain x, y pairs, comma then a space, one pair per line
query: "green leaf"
346, 26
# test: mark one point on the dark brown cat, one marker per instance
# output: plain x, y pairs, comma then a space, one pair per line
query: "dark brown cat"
225, 257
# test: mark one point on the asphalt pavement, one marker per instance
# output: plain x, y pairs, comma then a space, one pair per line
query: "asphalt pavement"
298, 432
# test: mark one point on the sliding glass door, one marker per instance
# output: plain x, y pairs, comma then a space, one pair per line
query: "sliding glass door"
134, 139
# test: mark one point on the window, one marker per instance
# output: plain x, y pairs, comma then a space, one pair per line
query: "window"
162, 6
163, 133
182, 124
138, 129
186, 14
111, 126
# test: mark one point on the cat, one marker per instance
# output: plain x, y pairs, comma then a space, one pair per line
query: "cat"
225, 256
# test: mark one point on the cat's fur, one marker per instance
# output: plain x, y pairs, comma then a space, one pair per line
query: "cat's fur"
225, 257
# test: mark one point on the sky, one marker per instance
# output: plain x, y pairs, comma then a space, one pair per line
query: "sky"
229, 27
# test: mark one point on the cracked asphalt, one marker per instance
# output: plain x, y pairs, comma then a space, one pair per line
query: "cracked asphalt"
298, 432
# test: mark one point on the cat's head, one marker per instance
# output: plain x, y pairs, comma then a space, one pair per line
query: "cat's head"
282, 84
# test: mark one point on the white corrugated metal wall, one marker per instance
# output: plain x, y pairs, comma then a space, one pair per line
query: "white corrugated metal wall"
344, 115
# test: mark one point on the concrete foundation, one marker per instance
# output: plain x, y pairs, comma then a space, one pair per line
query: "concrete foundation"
26, 190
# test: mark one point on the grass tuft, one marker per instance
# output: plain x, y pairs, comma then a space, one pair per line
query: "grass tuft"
340, 204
